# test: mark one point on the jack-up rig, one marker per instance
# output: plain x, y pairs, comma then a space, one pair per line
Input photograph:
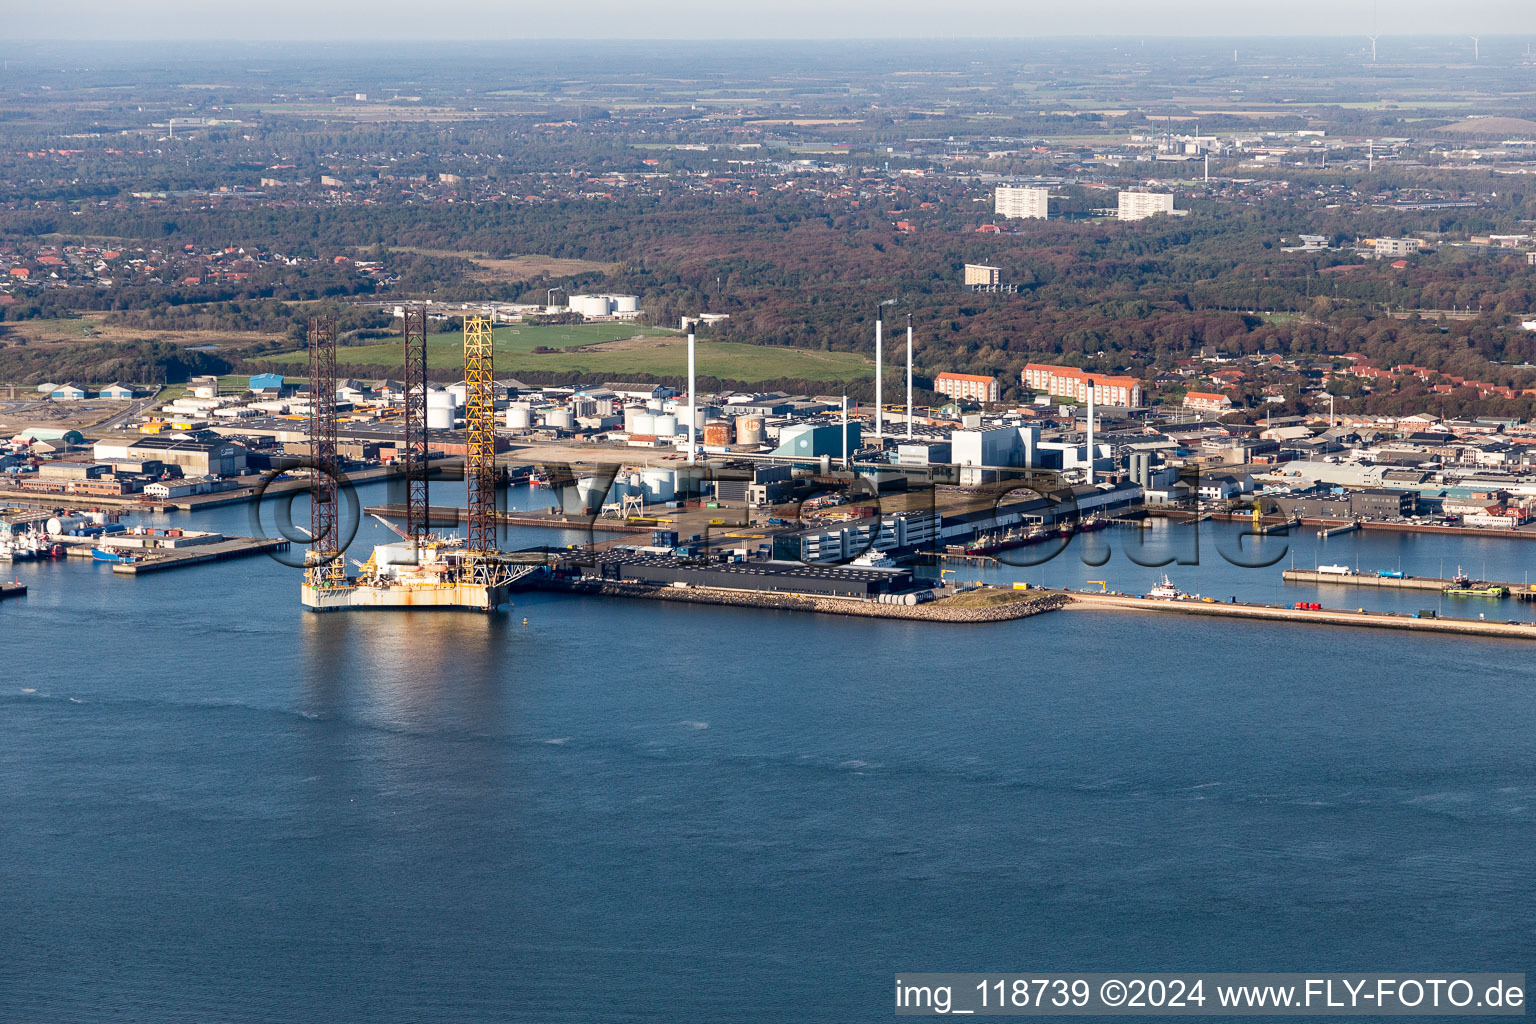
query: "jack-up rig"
422, 569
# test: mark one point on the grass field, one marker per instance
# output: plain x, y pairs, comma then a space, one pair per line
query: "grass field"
617, 351
515, 269
88, 327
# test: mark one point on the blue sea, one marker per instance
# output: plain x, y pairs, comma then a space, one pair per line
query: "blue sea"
216, 807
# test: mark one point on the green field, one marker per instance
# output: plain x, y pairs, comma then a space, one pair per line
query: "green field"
616, 351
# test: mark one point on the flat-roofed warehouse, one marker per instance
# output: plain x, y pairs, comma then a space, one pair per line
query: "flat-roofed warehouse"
196, 458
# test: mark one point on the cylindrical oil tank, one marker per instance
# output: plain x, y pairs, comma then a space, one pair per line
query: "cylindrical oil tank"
643, 423
439, 417
700, 415
653, 404
458, 393
660, 485
591, 492
665, 425
59, 526
717, 434
519, 417
559, 419
749, 430
626, 303
632, 413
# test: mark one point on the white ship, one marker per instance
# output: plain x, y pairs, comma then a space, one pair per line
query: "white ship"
1166, 590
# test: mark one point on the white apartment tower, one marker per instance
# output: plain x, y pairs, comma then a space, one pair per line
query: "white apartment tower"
1025, 203
1141, 205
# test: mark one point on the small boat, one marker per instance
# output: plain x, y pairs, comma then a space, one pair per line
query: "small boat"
1166, 591
113, 556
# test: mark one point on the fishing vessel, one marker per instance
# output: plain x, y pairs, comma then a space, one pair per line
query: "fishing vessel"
113, 556
24, 546
1463, 585
991, 543
1165, 590
1085, 525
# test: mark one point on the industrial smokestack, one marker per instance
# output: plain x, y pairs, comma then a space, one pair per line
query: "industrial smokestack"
845, 431
1090, 434
879, 394
909, 376
693, 416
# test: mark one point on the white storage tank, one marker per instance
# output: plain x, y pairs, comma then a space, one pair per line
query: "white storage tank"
644, 423
749, 430
458, 392
665, 425
626, 303
590, 305
632, 414
559, 419
439, 417
59, 526
519, 417
654, 404
660, 485
590, 492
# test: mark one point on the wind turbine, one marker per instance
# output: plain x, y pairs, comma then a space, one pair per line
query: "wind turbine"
1373, 47
1475, 56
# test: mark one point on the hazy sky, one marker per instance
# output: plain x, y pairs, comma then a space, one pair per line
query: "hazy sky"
477, 20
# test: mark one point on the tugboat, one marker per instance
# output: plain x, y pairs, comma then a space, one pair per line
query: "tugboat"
1166, 591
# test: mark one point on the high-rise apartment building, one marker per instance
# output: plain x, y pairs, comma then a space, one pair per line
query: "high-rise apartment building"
1025, 203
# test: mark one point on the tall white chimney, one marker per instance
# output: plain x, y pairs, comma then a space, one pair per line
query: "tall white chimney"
879, 394
909, 376
693, 416
845, 431
1090, 434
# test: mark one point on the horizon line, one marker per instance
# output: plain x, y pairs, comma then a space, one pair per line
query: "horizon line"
802, 40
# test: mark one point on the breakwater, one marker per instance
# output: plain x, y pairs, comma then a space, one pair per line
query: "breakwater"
951, 609
1324, 617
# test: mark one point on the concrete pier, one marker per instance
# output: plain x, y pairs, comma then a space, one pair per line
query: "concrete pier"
12, 590
1430, 583
1323, 617
161, 559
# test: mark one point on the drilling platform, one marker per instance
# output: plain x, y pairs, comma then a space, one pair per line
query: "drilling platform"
422, 569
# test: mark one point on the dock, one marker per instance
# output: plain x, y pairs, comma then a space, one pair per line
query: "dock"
1432, 583
12, 590
161, 559
448, 516
1335, 531
1319, 617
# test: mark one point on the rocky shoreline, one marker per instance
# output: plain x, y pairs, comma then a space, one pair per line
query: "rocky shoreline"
935, 611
